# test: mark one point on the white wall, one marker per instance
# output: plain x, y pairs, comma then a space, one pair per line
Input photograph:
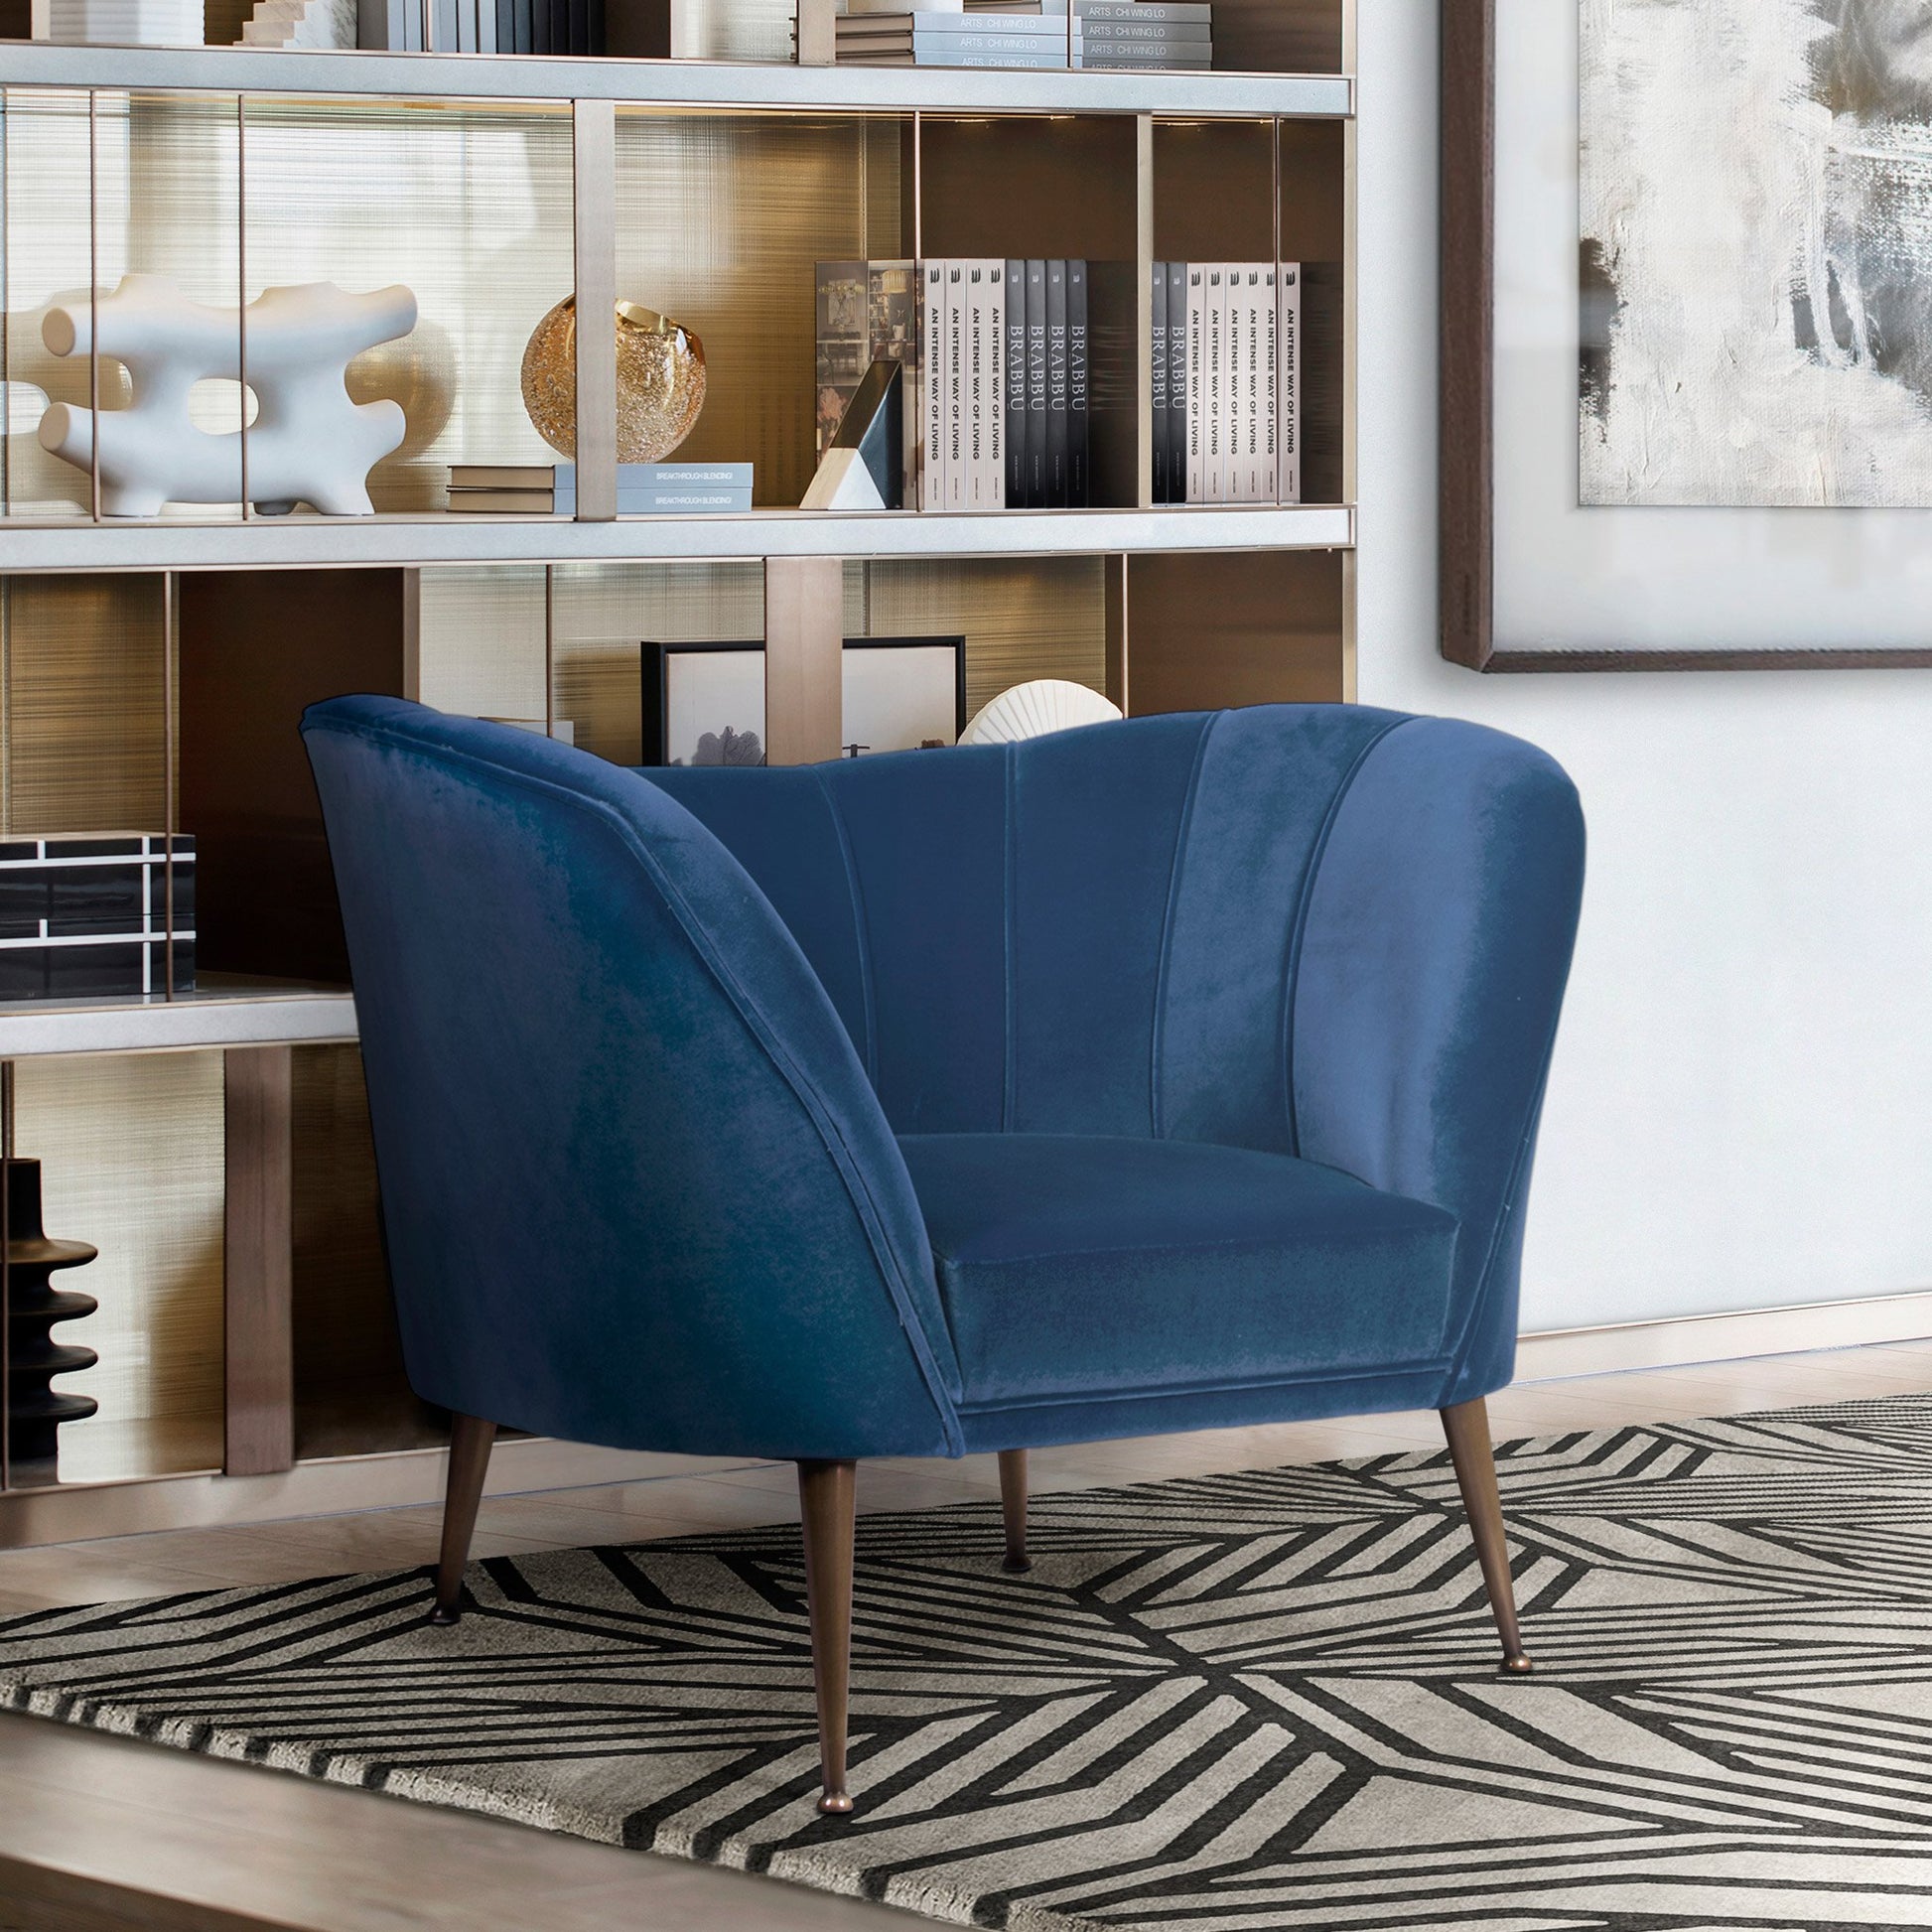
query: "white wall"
1740, 1112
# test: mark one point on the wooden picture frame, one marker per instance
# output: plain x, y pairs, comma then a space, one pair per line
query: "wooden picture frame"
656, 697
1468, 584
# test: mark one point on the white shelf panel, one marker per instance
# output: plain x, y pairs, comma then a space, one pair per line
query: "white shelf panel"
295, 542
694, 84
314, 541
221, 1012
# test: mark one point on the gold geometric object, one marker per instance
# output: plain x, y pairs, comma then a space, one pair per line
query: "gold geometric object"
660, 381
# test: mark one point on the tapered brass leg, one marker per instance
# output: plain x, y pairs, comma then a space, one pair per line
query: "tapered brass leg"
826, 1501
1467, 1426
469, 1443
1013, 1506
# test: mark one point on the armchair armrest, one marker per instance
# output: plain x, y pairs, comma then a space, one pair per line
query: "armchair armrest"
636, 1186
1430, 976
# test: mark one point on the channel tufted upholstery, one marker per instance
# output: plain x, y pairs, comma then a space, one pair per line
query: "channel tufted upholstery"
1175, 1074
1161, 1075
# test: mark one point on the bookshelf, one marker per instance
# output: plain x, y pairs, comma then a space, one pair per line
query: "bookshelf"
214, 1144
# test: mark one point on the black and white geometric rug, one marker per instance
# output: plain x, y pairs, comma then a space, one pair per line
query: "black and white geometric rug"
1227, 1703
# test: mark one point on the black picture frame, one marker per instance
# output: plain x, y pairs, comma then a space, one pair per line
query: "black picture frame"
654, 680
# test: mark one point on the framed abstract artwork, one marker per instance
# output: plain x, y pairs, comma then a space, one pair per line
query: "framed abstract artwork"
1686, 333
704, 702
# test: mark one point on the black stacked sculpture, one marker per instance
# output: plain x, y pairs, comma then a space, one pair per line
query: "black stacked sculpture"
34, 1411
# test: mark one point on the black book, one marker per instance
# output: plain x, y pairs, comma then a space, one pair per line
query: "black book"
520, 9
1176, 382
1079, 373
576, 26
540, 25
505, 26
1015, 377
1157, 364
1057, 492
598, 41
1035, 385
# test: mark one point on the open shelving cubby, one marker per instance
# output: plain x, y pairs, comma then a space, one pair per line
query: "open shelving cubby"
214, 1144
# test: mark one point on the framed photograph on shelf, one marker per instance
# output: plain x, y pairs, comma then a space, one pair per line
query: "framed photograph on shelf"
1687, 335
704, 702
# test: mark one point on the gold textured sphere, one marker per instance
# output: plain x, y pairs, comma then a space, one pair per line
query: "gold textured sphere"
660, 381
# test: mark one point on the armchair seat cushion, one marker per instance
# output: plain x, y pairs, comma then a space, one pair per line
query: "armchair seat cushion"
1076, 1267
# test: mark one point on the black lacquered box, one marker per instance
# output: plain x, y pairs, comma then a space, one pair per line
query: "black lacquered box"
92, 915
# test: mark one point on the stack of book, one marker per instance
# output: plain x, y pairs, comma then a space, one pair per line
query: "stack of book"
951, 39
643, 489
1167, 33
997, 364
1164, 34
126, 23
1227, 382
94, 915
483, 25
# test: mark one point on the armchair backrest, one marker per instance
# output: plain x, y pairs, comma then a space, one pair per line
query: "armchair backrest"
1092, 932
1314, 929
637, 1188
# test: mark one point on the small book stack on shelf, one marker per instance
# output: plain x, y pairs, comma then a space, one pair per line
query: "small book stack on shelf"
96, 915
1170, 35
483, 25
1227, 382
643, 489
125, 22
1162, 34
997, 373
951, 40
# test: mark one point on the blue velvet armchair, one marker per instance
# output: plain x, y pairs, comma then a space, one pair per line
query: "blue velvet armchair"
1169, 1074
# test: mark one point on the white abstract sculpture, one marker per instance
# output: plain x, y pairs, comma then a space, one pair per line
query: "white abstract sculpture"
309, 442
1048, 704
842, 483
300, 23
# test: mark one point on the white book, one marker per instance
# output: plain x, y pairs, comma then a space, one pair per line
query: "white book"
1267, 470
1288, 438
1215, 461
932, 441
978, 429
990, 296
955, 367
1197, 383
1261, 311
1240, 360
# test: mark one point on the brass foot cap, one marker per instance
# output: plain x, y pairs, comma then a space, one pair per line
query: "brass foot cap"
443, 1618
835, 1804
1016, 1566
1517, 1666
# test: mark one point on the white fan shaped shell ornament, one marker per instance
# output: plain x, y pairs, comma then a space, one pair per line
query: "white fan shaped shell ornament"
1048, 704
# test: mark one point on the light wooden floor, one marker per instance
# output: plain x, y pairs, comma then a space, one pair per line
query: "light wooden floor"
87, 1822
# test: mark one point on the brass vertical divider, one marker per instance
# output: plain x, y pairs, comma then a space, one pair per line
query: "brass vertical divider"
805, 643
170, 767
1115, 574
241, 282
1274, 250
593, 208
258, 1259
1115, 587
94, 302
1350, 272
412, 633
550, 650
1144, 308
